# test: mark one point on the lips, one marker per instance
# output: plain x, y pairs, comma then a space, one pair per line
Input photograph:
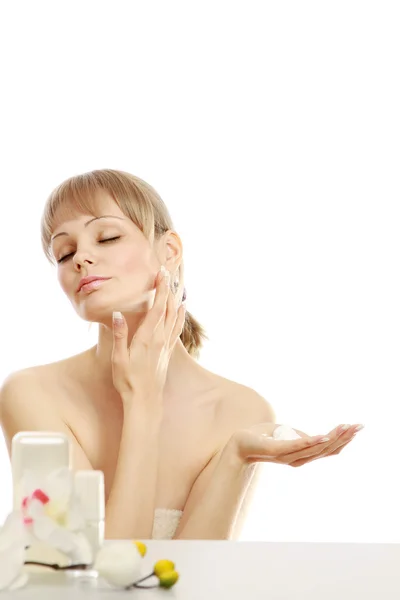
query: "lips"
91, 282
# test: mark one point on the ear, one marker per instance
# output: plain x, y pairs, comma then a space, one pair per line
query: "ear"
171, 250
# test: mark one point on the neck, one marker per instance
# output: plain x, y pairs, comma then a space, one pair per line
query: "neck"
181, 364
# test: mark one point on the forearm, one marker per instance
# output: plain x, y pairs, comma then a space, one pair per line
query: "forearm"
215, 514
131, 503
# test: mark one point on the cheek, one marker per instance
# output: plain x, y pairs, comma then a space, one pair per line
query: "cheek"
137, 264
64, 281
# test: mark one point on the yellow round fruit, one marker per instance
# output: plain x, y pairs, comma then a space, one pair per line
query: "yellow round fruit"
141, 547
163, 566
168, 578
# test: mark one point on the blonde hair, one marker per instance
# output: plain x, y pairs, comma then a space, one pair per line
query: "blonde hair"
138, 201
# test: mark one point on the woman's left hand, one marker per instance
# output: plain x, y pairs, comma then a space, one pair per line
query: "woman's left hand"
256, 445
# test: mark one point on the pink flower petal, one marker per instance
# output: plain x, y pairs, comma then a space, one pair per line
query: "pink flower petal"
41, 496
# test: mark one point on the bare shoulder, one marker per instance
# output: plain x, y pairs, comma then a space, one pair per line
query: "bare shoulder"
28, 402
17, 384
27, 382
40, 378
35, 388
241, 406
21, 400
26, 390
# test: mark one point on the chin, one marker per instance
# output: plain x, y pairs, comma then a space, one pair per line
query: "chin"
97, 308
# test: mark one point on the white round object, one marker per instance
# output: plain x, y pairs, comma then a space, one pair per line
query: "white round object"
119, 563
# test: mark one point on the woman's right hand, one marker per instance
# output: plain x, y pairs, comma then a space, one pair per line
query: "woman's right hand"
140, 368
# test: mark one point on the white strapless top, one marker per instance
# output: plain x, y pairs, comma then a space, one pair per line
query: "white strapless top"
166, 521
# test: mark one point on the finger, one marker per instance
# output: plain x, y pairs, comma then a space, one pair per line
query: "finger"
330, 442
119, 353
299, 463
178, 327
347, 435
308, 452
282, 449
340, 448
157, 312
332, 434
344, 440
170, 316
339, 436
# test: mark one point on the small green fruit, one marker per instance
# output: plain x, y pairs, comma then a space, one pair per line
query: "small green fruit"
168, 579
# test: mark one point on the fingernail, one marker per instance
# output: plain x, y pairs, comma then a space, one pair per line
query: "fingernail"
118, 319
359, 427
344, 427
323, 440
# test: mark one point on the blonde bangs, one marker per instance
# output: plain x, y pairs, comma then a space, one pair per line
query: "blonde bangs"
78, 195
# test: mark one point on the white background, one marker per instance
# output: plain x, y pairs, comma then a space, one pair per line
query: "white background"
271, 130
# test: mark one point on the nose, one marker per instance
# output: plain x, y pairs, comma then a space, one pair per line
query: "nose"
83, 258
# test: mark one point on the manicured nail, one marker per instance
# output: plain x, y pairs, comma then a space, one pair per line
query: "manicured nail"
118, 318
359, 427
344, 427
323, 440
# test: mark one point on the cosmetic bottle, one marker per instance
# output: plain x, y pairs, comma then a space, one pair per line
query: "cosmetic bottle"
89, 489
39, 452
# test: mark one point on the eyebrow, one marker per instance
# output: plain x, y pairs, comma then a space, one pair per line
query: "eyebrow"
88, 223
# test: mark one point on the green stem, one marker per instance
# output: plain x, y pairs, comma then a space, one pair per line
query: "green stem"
136, 584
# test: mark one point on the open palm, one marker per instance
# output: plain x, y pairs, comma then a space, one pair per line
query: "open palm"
255, 444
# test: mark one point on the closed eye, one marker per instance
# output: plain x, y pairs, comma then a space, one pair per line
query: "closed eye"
67, 256
109, 239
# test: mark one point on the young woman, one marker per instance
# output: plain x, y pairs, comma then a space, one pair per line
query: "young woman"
178, 445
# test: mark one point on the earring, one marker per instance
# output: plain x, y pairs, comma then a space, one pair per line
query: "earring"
175, 287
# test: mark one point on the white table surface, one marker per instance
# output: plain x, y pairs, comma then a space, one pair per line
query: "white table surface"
251, 571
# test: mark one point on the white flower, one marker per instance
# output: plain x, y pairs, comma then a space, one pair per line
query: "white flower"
119, 563
12, 552
52, 513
